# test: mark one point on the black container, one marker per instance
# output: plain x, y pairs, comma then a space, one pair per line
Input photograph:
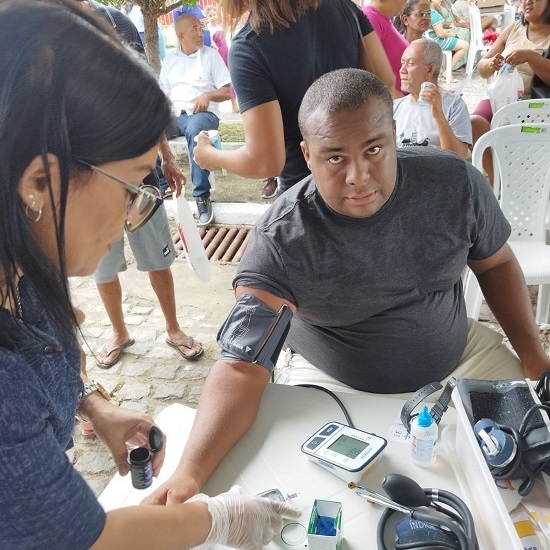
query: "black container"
140, 460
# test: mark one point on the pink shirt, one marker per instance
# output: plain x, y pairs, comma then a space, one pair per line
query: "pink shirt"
394, 43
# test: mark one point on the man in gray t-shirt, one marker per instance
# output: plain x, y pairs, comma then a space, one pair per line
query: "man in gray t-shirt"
429, 116
368, 254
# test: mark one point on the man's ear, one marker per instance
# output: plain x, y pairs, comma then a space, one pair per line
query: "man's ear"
431, 70
32, 188
394, 131
305, 152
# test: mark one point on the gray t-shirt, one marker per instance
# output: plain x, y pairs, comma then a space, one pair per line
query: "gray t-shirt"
379, 299
415, 124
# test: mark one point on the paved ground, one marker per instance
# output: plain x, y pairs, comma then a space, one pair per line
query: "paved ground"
151, 375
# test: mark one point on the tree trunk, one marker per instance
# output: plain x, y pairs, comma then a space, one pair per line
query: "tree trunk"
152, 10
152, 41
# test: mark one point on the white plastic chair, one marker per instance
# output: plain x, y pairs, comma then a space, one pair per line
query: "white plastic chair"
522, 155
528, 111
448, 54
472, 293
476, 42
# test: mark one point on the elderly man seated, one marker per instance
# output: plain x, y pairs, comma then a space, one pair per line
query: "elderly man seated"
195, 78
428, 116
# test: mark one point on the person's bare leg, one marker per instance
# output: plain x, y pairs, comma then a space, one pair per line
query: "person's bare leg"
481, 126
461, 49
111, 296
162, 282
488, 22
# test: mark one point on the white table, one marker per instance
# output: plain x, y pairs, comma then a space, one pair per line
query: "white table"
269, 456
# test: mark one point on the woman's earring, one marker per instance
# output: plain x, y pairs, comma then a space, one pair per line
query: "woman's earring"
31, 209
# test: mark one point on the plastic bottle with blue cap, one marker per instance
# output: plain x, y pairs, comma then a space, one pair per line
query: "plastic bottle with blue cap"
422, 102
424, 438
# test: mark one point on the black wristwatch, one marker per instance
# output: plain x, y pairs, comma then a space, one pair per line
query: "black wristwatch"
437, 410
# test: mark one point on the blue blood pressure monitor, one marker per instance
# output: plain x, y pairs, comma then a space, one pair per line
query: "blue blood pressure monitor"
344, 451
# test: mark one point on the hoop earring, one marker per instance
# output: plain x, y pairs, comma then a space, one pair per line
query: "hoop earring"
31, 209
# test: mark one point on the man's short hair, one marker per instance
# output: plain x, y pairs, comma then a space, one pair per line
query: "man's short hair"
432, 53
343, 90
184, 17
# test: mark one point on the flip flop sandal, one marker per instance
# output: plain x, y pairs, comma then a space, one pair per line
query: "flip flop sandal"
118, 348
86, 428
87, 433
188, 345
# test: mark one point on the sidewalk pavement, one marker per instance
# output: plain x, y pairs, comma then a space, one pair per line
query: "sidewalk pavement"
150, 374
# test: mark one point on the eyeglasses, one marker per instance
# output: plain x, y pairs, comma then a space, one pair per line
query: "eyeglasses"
142, 204
424, 13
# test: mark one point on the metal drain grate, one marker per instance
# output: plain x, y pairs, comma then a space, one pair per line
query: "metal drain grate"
225, 243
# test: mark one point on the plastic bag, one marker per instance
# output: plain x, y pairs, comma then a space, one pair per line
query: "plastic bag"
506, 88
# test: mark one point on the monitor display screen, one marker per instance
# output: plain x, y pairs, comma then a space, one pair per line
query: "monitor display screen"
348, 446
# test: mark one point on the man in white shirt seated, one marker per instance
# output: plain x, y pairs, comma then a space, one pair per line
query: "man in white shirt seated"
195, 78
429, 117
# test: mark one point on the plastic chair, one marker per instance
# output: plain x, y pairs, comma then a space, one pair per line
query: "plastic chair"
522, 155
472, 293
476, 42
448, 66
527, 111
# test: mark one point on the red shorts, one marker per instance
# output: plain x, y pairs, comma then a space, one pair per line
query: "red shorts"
484, 110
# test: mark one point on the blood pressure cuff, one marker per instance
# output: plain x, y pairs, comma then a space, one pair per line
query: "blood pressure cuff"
254, 332
506, 402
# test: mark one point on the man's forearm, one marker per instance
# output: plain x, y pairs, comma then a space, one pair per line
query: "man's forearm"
447, 138
228, 406
222, 94
508, 297
164, 147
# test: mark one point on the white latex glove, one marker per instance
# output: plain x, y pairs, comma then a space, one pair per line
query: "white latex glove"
241, 521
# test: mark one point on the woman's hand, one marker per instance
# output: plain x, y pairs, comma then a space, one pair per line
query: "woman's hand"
244, 521
521, 56
117, 427
203, 150
496, 62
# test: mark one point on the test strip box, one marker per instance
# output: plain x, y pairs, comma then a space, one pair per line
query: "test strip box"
325, 508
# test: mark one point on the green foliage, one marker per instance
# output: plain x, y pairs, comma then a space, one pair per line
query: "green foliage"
116, 3
160, 6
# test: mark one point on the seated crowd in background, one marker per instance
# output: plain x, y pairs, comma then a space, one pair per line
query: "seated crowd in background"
447, 35
523, 44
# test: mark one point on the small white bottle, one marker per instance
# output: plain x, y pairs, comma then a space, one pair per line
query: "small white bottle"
424, 86
423, 438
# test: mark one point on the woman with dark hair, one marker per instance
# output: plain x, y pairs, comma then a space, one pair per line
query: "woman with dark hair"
81, 117
285, 46
414, 21
522, 44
